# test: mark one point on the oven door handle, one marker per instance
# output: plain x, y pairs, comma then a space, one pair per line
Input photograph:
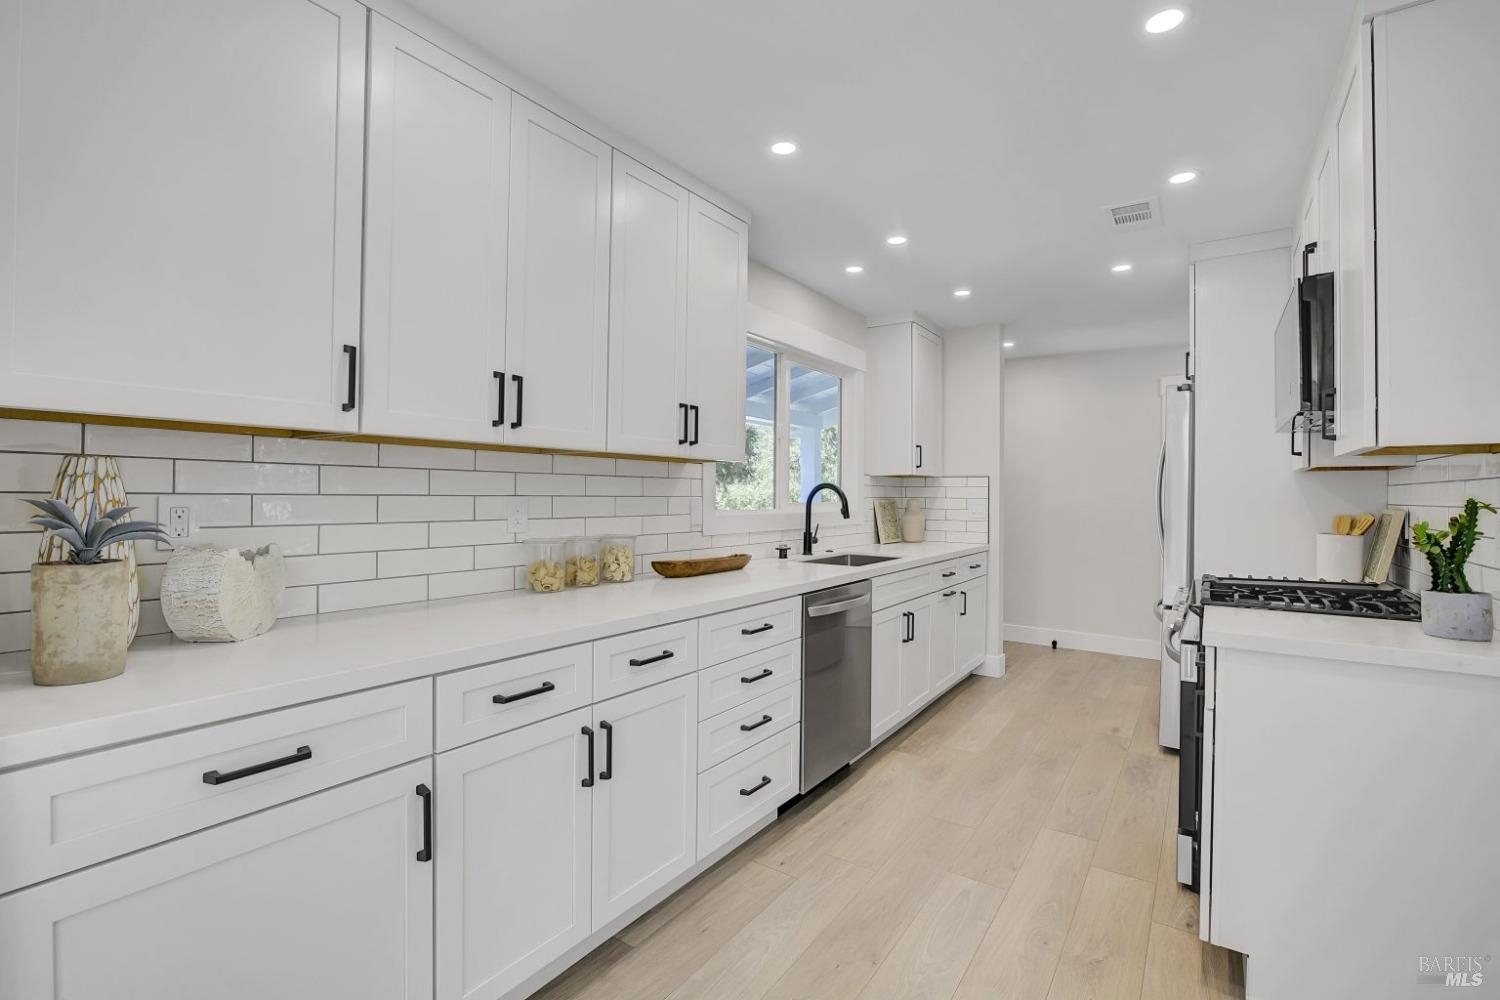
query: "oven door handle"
1174, 652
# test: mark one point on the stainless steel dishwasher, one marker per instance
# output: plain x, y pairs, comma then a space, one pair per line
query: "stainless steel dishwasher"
835, 679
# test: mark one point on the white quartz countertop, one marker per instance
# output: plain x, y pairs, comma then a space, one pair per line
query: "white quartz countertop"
169, 685
1338, 637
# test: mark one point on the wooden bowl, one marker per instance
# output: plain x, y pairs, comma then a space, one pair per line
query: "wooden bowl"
700, 567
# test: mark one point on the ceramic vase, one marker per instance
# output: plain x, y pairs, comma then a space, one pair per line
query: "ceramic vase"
210, 594
92, 483
1458, 616
81, 621
913, 522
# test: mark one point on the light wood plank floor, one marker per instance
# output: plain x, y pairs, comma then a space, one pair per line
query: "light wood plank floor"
1014, 840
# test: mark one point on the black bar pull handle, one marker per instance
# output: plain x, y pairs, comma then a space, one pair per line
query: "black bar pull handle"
665, 654
425, 793
757, 630
750, 726
500, 410
919, 456
975, 565
349, 397
520, 381
951, 572
219, 778
542, 688
609, 752
906, 617
588, 782
762, 783
758, 677
949, 593
684, 408
1295, 452
693, 408
965, 610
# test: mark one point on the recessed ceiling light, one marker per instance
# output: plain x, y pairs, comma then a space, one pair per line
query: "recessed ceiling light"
1164, 20
896, 240
1183, 178
962, 293
1120, 268
1009, 343
853, 269
783, 148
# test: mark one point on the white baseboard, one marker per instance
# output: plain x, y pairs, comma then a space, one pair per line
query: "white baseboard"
993, 666
1146, 649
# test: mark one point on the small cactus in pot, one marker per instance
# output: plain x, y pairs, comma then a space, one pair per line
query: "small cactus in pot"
1451, 609
80, 607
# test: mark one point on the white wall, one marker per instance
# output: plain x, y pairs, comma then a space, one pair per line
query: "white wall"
973, 445
1033, 339
775, 291
1082, 436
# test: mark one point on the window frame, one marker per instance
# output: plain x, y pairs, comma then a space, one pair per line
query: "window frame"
793, 343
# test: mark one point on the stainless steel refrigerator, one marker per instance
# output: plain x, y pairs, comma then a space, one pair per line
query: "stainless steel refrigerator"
1174, 509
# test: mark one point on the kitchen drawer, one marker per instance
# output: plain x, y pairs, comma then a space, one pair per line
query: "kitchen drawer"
74, 812
729, 685
747, 788
973, 567
903, 586
946, 574
626, 662
534, 687
726, 734
734, 633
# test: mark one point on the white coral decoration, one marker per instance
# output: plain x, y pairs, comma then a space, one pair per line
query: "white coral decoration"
222, 595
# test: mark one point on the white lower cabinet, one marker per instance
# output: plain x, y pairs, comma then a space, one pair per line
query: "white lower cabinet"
516, 851
943, 649
916, 657
888, 637
645, 794
324, 898
972, 624
746, 788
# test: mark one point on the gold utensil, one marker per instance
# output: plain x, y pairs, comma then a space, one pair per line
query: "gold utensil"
1343, 524
1363, 523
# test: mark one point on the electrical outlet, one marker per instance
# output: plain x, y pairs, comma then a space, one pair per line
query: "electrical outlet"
178, 522
516, 515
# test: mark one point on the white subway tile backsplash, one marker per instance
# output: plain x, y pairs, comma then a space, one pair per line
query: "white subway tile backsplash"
244, 477
420, 562
310, 451
371, 537
473, 483
365, 525
313, 509
423, 457
371, 593
41, 435
420, 508
150, 442
356, 479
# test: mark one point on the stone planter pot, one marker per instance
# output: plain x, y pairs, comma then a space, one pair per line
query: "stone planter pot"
1458, 616
80, 621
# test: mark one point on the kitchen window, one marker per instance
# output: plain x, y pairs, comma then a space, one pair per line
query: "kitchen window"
796, 417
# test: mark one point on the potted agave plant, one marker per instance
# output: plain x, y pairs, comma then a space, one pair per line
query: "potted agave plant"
80, 609
1451, 609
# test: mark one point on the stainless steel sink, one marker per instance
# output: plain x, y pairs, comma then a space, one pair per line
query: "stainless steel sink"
850, 559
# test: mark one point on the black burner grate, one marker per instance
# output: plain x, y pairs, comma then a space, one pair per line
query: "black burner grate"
1319, 597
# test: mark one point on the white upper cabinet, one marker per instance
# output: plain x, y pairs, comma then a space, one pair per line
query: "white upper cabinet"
557, 328
180, 193
1353, 295
1436, 86
718, 273
647, 312
906, 388
435, 242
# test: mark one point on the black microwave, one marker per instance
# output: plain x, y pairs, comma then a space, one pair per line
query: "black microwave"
1305, 375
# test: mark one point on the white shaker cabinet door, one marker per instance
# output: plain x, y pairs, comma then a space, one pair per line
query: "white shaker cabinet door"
321, 899
435, 242
1354, 289
718, 272
513, 864
180, 196
972, 624
557, 326
888, 639
645, 793
916, 657
927, 400
943, 647
647, 312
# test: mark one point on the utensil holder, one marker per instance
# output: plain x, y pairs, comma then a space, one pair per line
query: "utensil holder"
1341, 557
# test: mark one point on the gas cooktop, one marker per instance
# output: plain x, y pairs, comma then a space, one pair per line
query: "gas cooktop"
1319, 597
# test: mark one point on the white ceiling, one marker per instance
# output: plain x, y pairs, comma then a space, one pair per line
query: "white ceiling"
992, 132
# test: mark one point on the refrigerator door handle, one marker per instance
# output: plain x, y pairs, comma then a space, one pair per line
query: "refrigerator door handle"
1161, 509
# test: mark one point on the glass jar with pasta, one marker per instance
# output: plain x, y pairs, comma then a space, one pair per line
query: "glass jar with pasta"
546, 567
617, 558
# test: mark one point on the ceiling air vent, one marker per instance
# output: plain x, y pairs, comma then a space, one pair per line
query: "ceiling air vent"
1135, 215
